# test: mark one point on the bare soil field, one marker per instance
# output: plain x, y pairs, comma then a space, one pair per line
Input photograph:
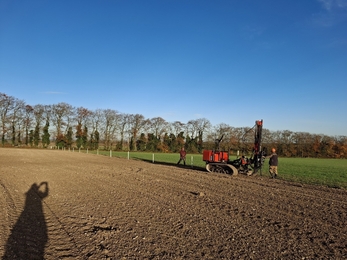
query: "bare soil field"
69, 205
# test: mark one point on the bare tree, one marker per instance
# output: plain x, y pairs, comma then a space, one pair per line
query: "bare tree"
158, 125
287, 143
39, 111
137, 123
6, 106
28, 119
123, 128
224, 133
196, 129
96, 119
46, 135
177, 127
82, 118
62, 116
110, 124
17, 120
202, 125
83, 115
191, 129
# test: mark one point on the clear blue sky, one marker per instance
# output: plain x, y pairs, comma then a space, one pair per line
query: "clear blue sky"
231, 62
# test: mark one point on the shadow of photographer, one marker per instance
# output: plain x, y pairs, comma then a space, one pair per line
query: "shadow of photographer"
29, 235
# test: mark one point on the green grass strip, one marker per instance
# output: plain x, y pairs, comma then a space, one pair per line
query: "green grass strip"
326, 172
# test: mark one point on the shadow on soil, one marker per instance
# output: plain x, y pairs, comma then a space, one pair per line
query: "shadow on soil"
197, 168
29, 235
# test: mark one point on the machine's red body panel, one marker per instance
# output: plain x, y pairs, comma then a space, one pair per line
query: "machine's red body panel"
213, 156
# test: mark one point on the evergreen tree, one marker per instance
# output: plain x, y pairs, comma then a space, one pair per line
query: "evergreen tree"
79, 135
69, 139
167, 140
180, 142
31, 138
27, 136
91, 141
152, 143
61, 141
19, 138
119, 145
13, 134
45, 137
191, 144
96, 139
37, 135
199, 142
173, 145
132, 145
164, 146
141, 143
85, 137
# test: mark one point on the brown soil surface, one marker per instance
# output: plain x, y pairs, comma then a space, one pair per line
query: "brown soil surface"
69, 205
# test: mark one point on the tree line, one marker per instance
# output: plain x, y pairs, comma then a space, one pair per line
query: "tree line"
64, 126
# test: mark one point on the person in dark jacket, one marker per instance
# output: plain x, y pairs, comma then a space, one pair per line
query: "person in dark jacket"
183, 154
273, 163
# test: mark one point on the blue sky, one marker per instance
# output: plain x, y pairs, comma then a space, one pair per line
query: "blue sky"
231, 62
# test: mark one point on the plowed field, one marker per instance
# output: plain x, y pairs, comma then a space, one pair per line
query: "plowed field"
69, 205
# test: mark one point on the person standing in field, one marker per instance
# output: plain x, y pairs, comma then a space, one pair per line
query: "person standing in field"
273, 163
183, 155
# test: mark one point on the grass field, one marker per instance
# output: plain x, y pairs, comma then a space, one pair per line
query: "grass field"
328, 172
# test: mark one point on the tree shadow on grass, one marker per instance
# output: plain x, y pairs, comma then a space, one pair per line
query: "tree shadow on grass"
29, 235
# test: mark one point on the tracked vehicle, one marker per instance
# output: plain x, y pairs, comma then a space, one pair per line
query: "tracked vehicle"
218, 161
